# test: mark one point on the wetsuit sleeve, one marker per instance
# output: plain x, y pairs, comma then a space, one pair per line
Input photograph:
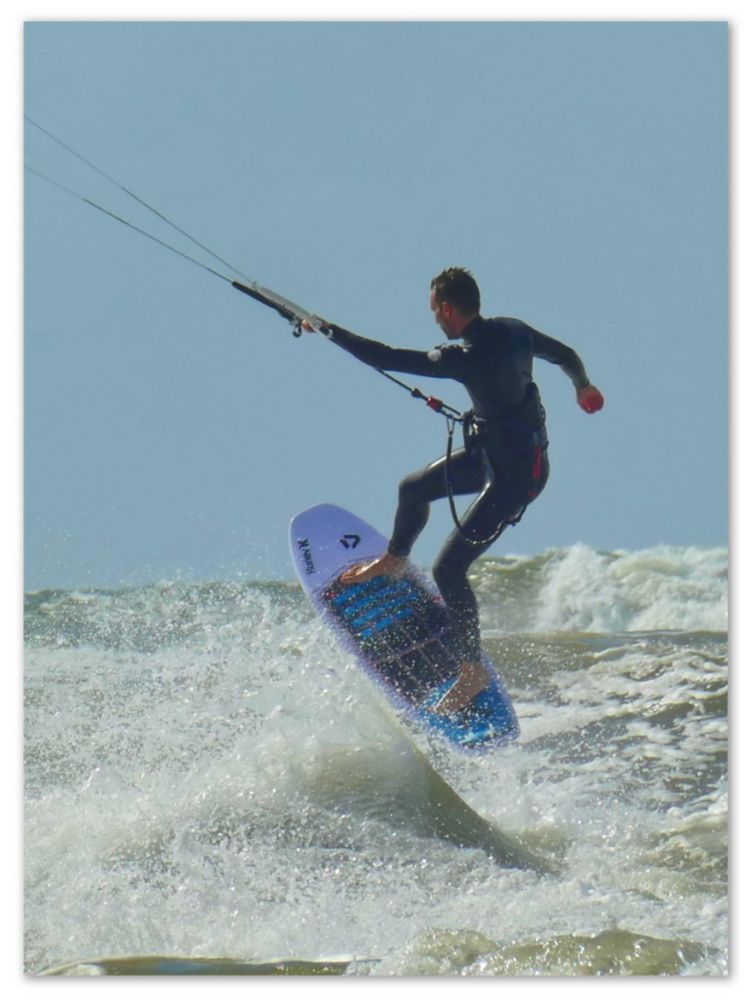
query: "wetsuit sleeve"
434, 364
560, 354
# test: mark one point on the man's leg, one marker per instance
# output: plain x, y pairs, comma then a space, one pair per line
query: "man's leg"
493, 508
416, 493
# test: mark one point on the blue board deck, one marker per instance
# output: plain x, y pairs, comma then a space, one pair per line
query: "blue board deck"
397, 628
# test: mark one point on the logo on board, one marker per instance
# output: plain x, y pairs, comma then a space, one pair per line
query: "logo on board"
303, 545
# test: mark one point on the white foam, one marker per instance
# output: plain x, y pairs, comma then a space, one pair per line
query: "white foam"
660, 588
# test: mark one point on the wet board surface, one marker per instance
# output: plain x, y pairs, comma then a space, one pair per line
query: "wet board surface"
397, 628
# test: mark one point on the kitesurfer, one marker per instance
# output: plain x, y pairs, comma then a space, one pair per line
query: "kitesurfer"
504, 460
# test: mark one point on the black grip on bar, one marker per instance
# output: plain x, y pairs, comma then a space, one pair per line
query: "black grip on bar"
259, 297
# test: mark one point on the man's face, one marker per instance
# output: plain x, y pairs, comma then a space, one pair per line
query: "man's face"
445, 315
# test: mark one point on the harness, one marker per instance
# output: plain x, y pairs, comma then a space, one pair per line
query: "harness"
474, 435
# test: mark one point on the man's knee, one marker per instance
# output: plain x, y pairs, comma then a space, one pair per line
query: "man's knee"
409, 489
441, 575
449, 574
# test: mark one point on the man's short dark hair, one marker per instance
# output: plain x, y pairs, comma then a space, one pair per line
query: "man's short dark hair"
457, 286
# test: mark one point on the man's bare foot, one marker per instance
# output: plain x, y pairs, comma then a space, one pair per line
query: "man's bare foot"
472, 679
385, 565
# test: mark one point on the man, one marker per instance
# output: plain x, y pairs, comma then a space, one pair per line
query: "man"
505, 461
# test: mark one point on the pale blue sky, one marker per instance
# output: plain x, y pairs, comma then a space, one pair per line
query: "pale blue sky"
173, 427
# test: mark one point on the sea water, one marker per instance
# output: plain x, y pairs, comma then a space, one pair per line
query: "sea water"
207, 774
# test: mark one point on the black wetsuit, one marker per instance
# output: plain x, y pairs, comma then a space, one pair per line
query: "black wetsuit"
506, 460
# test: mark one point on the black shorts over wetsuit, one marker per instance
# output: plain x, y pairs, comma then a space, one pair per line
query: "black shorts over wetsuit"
506, 460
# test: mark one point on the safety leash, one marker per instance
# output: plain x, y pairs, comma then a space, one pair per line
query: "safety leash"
477, 542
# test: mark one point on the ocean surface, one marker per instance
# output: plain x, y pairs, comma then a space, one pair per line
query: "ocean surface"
208, 775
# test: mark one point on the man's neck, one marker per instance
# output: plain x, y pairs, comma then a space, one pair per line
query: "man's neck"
468, 324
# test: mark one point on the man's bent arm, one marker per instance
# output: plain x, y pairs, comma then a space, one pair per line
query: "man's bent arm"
560, 354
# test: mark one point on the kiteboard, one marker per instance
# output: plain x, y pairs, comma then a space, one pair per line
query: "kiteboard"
397, 629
